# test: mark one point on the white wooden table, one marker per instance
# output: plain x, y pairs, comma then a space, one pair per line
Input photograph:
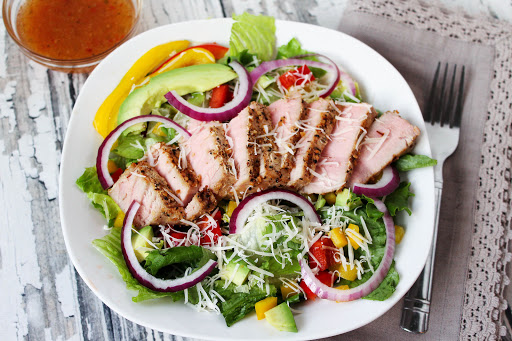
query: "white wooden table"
41, 295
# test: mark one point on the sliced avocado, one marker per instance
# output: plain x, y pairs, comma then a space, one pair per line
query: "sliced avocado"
347, 199
140, 242
320, 202
195, 78
281, 317
239, 276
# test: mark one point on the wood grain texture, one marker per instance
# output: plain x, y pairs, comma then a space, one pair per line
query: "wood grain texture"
42, 297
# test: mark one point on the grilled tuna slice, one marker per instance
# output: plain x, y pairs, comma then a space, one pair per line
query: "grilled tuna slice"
241, 133
142, 183
285, 113
208, 153
269, 156
203, 202
388, 138
182, 179
336, 161
315, 131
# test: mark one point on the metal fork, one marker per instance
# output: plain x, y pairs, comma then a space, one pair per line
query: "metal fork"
442, 117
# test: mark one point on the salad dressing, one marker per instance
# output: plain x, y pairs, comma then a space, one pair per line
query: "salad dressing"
74, 29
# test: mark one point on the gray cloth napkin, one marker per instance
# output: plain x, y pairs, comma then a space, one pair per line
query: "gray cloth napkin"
415, 51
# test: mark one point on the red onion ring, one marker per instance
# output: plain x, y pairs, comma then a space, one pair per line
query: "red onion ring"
105, 147
247, 206
274, 64
386, 185
146, 279
333, 294
240, 101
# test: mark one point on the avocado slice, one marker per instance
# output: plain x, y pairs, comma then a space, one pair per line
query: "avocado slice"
347, 199
281, 317
239, 276
195, 78
140, 242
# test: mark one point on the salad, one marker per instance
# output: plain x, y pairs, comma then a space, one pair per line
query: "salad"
249, 178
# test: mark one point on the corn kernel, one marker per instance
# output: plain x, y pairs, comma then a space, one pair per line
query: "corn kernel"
353, 239
288, 291
338, 237
330, 198
111, 166
349, 274
265, 305
231, 207
119, 219
399, 233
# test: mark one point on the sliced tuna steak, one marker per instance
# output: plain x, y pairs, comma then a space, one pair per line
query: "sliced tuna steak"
208, 153
284, 114
203, 202
388, 138
173, 168
269, 156
336, 161
142, 183
315, 130
241, 133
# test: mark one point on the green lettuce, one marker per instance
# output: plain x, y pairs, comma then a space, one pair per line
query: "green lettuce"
158, 261
294, 48
387, 287
377, 230
89, 183
399, 199
106, 205
110, 247
254, 34
409, 162
129, 150
238, 304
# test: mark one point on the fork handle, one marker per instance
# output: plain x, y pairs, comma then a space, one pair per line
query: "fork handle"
416, 310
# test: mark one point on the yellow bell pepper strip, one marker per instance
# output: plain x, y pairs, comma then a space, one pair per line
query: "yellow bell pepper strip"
350, 274
231, 207
119, 220
191, 56
353, 238
106, 116
338, 237
289, 290
265, 305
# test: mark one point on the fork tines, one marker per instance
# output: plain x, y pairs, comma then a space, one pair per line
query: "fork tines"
444, 104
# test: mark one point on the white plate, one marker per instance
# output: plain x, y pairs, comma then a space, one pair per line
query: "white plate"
382, 86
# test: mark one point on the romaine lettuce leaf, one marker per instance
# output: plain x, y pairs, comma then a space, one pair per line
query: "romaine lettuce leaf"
387, 287
409, 162
399, 199
294, 48
238, 304
254, 33
110, 247
106, 205
377, 247
88, 182
158, 260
